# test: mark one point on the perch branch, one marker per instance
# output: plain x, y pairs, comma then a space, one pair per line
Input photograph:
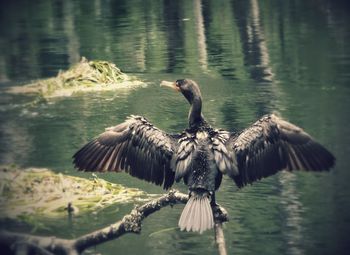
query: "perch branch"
220, 216
131, 223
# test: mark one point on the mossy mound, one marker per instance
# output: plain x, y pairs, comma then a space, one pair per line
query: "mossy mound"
40, 192
83, 77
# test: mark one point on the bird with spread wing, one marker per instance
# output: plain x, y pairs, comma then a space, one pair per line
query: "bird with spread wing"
200, 154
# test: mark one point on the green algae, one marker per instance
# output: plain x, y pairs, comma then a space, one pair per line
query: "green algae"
85, 76
39, 192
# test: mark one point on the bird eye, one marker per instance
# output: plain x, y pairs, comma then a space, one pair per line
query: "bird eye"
179, 83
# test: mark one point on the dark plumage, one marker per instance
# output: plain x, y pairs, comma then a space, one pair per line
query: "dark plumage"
200, 154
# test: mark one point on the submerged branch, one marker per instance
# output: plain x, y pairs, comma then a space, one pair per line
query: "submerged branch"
131, 223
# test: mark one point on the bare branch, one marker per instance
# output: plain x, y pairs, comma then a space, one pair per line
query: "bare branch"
220, 216
29, 248
9, 240
131, 223
220, 238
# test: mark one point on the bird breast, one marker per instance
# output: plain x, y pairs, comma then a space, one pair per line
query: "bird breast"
203, 171
202, 135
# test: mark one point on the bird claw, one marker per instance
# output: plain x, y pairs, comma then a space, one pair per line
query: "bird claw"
220, 214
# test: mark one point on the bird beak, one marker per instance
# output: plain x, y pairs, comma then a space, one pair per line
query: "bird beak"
169, 85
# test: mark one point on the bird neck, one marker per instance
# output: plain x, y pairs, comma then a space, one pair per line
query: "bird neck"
195, 116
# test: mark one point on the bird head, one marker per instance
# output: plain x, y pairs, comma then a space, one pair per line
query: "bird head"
187, 87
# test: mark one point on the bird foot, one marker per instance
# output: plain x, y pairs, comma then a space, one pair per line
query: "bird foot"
220, 214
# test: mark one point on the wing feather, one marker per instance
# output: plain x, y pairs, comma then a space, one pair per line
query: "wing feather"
135, 146
272, 144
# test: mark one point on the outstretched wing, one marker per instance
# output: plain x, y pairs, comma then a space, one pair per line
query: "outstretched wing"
135, 146
272, 144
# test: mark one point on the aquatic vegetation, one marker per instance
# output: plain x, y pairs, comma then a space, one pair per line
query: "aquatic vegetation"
85, 76
39, 192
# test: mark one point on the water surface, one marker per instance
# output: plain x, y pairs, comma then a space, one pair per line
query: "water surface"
249, 57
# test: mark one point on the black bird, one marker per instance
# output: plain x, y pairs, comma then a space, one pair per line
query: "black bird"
200, 155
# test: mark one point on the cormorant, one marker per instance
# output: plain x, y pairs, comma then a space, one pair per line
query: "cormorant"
200, 155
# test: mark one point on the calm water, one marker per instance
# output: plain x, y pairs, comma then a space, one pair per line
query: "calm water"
249, 57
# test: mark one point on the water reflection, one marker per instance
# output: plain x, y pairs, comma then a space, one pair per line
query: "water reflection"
256, 56
202, 47
292, 207
73, 43
235, 39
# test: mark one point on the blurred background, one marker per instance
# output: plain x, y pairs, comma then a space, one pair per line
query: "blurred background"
249, 57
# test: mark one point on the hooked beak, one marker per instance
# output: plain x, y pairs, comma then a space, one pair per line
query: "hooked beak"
169, 84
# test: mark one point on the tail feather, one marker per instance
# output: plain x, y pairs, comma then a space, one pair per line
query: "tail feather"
197, 215
183, 222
